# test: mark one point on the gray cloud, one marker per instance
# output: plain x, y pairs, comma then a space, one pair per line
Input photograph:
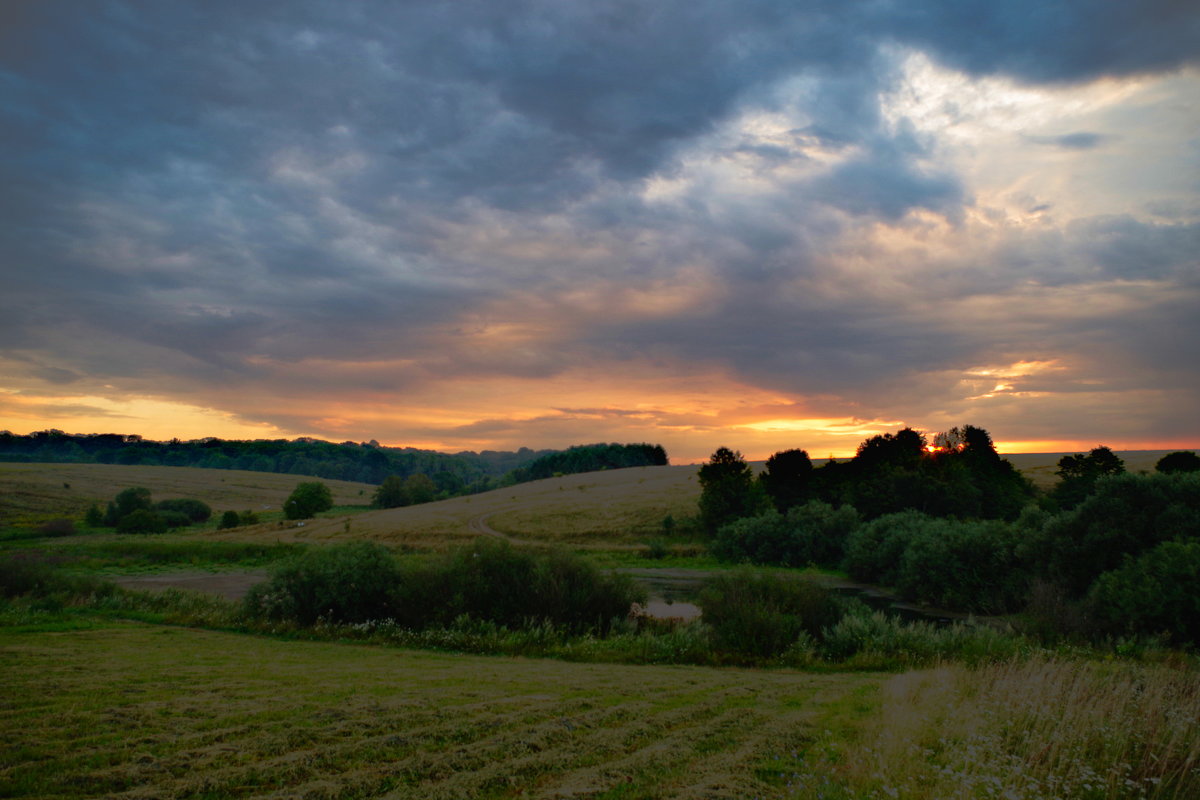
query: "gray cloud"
1082, 140
209, 194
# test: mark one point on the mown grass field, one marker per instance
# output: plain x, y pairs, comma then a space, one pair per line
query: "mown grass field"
131, 710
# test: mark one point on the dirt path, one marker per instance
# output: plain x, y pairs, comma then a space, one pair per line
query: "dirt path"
230, 585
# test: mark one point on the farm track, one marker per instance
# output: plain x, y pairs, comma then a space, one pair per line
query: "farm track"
135, 711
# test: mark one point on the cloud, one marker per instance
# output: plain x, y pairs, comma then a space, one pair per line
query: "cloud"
314, 214
1072, 141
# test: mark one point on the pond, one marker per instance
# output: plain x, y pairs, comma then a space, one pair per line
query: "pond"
671, 592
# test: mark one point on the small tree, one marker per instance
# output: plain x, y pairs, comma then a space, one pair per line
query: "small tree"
420, 488
1180, 461
94, 517
308, 500
391, 493
142, 521
728, 490
228, 520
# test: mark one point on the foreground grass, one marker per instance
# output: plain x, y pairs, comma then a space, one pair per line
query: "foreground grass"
138, 711
1042, 728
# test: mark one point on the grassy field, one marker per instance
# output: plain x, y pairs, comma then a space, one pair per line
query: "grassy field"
33, 493
129, 710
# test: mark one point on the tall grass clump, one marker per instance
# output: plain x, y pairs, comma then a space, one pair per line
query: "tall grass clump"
1038, 728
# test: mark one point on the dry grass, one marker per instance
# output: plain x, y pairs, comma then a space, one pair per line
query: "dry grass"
140, 712
601, 509
1039, 729
34, 492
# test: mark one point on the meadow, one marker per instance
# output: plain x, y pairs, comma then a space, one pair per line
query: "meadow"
118, 699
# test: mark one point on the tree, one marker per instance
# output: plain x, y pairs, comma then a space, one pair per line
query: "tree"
1180, 461
229, 519
787, 477
308, 500
130, 500
1079, 474
728, 490
391, 493
420, 488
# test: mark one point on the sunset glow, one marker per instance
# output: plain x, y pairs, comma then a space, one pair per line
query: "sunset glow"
473, 226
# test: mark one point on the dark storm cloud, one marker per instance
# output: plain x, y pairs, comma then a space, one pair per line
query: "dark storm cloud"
196, 190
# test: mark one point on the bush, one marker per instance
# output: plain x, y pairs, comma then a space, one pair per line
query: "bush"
308, 500
1156, 593
762, 615
195, 510
391, 493
175, 519
94, 517
814, 533
248, 517
488, 581
142, 521
963, 565
1125, 515
228, 520
128, 501
873, 550
1181, 461
352, 582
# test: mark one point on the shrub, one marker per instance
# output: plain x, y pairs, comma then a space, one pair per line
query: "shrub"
491, 580
391, 493
94, 517
962, 565
248, 517
130, 500
142, 521
307, 500
762, 615
228, 520
873, 550
1125, 515
814, 533
195, 510
1156, 593
1181, 461
487, 582
175, 519
353, 582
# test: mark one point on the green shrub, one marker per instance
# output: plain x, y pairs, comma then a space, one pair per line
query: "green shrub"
141, 521
175, 519
94, 517
488, 581
1125, 515
353, 582
968, 566
1156, 593
128, 501
762, 615
1180, 461
248, 517
814, 533
873, 550
307, 500
229, 519
195, 510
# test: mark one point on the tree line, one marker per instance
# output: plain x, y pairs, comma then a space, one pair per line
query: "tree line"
952, 524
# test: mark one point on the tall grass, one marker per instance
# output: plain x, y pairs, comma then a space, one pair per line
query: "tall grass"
1039, 728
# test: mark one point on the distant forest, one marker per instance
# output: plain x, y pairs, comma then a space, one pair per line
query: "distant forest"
466, 472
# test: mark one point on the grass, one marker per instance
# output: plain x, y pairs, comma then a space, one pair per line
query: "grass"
176, 713
34, 493
1039, 728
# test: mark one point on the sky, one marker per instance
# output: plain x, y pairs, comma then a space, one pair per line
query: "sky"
484, 224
